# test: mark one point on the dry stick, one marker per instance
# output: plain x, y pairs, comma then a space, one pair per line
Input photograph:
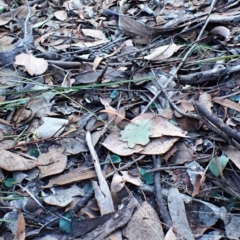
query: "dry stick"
208, 75
157, 169
183, 60
216, 130
158, 193
195, 116
190, 115
125, 166
104, 194
217, 122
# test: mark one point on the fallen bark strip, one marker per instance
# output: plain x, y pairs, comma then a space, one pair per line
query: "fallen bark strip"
117, 221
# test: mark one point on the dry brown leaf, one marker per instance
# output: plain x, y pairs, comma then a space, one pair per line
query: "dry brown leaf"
97, 34
162, 53
55, 161
159, 145
13, 162
118, 181
231, 122
183, 154
113, 144
112, 113
206, 100
233, 154
73, 5
160, 20
132, 27
116, 235
78, 174
186, 106
160, 126
22, 114
20, 235
188, 124
6, 43
96, 62
61, 15
227, 103
3, 4
120, 116
51, 127
34, 66
197, 2
96, 136
221, 31
178, 214
63, 197
144, 224
170, 235
22, 12
197, 185
4, 21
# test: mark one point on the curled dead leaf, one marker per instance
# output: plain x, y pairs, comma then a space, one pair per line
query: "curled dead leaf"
221, 31
33, 65
206, 100
118, 181
162, 53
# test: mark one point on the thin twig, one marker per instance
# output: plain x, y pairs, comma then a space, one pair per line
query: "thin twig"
217, 122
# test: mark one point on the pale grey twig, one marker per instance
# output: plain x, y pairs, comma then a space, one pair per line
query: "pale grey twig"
27, 19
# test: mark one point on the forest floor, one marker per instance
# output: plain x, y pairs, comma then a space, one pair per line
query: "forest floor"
119, 119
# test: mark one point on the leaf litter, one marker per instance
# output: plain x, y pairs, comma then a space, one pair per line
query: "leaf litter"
122, 116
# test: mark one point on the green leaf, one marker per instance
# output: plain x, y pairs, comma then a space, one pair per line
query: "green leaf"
114, 94
137, 133
173, 122
16, 103
153, 105
233, 206
148, 178
9, 182
235, 98
34, 152
39, 24
115, 159
213, 165
64, 224
2, 9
